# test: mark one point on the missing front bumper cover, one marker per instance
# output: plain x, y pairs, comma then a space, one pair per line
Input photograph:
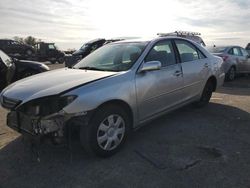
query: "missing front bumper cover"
53, 124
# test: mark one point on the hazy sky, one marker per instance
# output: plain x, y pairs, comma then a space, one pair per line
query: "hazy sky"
69, 23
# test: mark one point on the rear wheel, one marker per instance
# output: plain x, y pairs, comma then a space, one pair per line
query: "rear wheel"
52, 61
206, 94
231, 74
106, 132
60, 60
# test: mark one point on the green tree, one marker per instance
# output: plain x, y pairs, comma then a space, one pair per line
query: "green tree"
18, 39
30, 40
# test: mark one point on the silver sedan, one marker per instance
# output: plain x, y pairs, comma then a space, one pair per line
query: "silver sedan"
115, 89
236, 60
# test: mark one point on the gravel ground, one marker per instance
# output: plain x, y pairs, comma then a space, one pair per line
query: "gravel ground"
190, 147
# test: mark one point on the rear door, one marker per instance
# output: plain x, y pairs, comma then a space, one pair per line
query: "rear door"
245, 63
195, 67
160, 89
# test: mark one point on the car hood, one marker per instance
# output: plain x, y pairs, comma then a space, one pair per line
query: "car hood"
52, 83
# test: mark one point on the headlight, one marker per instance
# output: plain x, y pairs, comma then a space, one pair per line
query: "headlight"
47, 105
44, 67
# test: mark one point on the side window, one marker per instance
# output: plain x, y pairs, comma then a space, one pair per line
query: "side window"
244, 52
163, 51
187, 51
237, 52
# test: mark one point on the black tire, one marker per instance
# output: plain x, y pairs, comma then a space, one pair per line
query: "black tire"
231, 74
60, 60
206, 94
89, 134
52, 61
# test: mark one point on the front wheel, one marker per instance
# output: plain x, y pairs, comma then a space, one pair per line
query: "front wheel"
106, 132
206, 94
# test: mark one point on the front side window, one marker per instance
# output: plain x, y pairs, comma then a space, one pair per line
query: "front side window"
51, 46
163, 51
187, 51
113, 57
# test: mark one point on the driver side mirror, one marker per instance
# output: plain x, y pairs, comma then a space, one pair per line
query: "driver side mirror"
151, 66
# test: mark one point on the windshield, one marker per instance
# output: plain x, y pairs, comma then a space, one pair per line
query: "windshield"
217, 49
5, 58
113, 57
84, 46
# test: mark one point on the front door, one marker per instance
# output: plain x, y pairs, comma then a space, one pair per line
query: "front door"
161, 89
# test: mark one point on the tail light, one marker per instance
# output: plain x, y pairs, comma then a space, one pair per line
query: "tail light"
224, 57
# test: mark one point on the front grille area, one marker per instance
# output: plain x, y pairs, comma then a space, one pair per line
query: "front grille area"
9, 103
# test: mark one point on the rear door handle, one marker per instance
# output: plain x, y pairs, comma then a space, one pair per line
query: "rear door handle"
177, 73
206, 65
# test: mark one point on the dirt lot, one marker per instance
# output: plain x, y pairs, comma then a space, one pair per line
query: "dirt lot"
207, 147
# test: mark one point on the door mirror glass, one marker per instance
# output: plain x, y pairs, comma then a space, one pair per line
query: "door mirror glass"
151, 66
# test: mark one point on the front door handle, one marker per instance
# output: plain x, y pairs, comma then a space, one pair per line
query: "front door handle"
177, 73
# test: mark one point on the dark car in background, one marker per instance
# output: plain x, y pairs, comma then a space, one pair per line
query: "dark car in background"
86, 49
248, 48
48, 52
236, 60
12, 69
12, 47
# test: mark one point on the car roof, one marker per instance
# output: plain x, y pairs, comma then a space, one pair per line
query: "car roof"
151, 39
6, 40
229, 46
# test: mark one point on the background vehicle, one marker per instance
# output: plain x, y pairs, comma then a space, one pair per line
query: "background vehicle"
194, 36
248, 48
236, 60
12, 69
12, 48
48, 52
85, 50
116, 88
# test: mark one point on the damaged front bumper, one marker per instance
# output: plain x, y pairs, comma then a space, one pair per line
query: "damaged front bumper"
55, 125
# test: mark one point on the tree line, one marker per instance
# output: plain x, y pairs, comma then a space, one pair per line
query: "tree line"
27, 40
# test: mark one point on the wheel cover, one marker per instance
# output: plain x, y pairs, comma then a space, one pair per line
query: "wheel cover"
111, 132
